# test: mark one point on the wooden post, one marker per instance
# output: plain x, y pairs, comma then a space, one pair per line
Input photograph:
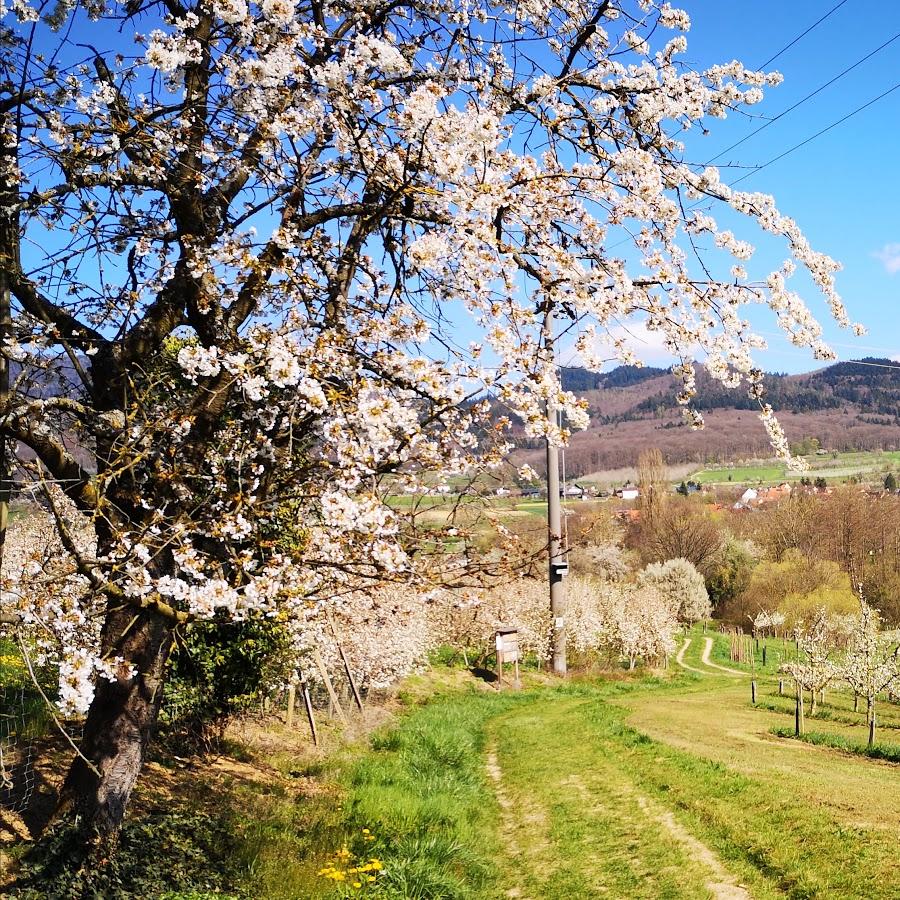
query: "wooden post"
506, 643
292, 699
798, 717
780, 687
335, 703
307, 702
357, 699
753, 692
764, 654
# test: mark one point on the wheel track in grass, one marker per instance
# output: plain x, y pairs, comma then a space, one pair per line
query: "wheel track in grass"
679, 659
708, 662
705, 659
530, 826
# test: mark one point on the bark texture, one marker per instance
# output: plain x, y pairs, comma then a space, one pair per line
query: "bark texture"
119, 725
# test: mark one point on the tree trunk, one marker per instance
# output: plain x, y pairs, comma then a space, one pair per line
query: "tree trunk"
119, 725
872, 730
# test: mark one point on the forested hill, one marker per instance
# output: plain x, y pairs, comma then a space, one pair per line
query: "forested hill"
870, 386
846, 406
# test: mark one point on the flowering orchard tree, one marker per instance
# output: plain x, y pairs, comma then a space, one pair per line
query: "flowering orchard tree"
681, 585
817, 669
235, 236
646, 625
384, 635
872, 664
766, 620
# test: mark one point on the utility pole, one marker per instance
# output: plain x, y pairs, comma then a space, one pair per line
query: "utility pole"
556, 550
9, 241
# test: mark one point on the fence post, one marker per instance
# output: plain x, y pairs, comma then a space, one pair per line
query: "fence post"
323, 671
347, 670
307, 702
291, 700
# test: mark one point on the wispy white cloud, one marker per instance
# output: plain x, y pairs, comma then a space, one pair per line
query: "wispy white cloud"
889, 255
648, 346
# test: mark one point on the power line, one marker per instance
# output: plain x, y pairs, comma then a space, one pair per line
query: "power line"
790, 150
818, 134
809, 96
803, 34
860, 362
885, 351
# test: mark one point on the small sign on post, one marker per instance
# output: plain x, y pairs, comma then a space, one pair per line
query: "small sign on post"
507, 643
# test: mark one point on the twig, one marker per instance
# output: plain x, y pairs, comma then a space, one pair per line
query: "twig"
46, 700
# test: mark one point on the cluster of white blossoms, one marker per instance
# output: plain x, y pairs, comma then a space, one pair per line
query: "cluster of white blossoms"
291, 211
608, 613
679, 583
384, 634
40, 582
766, 620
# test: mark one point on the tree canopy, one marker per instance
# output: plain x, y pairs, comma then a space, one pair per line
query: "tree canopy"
262, 263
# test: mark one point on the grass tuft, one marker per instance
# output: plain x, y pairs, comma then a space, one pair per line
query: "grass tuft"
887, 752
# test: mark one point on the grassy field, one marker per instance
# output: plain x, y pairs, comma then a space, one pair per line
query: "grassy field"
670, 787
654, 788
836, 466
667, 786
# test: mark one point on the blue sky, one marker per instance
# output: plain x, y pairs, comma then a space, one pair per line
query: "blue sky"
844, 187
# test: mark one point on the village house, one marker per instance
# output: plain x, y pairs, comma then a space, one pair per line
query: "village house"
756, 497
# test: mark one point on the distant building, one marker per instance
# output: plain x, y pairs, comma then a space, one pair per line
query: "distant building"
753, 497
628, 493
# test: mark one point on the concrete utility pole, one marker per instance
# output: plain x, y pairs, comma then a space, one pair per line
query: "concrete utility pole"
558, 564
9, 240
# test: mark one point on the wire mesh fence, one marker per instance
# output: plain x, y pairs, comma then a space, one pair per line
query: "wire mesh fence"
17, 746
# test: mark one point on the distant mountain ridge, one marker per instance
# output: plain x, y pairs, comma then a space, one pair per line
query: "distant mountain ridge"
871, 385
847, 406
